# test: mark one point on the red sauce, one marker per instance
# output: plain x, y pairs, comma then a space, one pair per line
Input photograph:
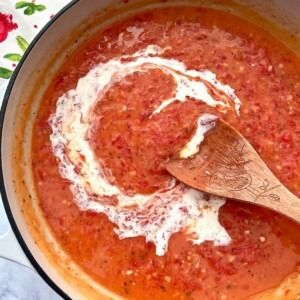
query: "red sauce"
265, 75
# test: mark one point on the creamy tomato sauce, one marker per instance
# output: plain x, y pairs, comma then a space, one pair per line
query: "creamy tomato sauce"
173, 207
133, 145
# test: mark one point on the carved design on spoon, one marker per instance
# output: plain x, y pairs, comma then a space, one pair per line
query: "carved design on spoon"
229, 168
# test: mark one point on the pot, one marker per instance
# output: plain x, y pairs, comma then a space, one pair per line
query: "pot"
37, 247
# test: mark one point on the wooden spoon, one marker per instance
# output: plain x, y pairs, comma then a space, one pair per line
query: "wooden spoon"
228, 166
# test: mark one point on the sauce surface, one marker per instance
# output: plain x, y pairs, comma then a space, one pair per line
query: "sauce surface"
264, 75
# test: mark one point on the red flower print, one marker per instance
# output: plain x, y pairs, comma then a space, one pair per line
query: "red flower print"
6, 25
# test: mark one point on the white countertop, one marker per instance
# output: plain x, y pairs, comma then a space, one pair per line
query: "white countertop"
21, 283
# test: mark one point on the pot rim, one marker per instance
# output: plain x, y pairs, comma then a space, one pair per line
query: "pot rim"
4, 197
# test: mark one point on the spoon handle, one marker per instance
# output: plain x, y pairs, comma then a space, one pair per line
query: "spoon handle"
265, 189
281, 200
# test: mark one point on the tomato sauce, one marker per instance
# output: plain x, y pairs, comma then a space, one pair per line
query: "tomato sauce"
265, 247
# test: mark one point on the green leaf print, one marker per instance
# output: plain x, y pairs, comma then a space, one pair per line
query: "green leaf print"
22, 4
30, 8
29, 11
40, 7
23, 44
5, 73
13, 56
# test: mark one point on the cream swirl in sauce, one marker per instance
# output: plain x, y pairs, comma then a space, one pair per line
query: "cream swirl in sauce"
159, 215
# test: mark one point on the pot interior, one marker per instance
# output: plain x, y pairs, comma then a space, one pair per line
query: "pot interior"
70, 28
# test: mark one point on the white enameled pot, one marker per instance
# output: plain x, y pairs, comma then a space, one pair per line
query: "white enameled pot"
37, 248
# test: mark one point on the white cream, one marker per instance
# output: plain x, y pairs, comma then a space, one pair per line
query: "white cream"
166, 211
131, 37
205, 123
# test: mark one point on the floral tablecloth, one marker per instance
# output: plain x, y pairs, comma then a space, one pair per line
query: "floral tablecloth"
20, 21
